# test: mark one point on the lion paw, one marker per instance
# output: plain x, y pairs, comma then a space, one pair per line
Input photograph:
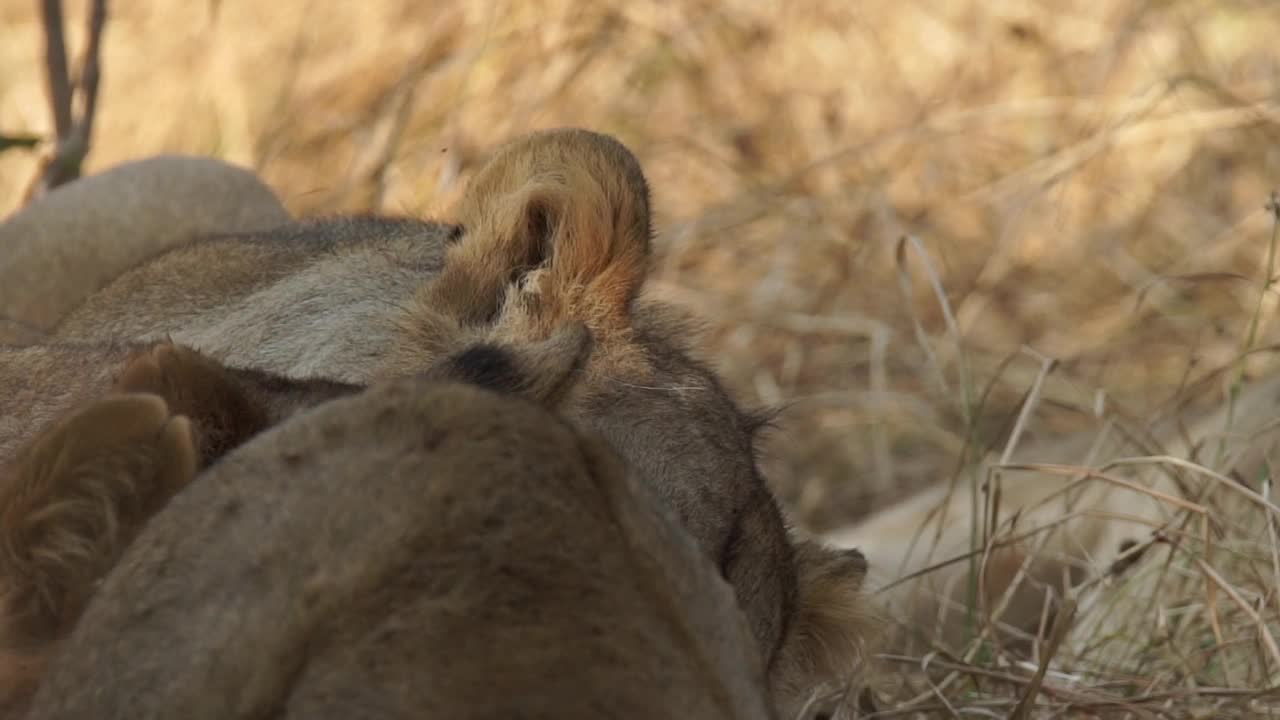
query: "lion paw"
75, 497
221, 411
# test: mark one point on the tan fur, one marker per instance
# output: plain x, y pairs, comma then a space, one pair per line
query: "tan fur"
553, 232
75, 490
74, 495
422, 549
831, 635
61, 248
569, 210
41, 383
555, 227
68, 506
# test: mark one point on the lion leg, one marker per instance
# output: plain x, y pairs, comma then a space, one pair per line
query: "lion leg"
79, 492
69, 505
222, 410
74, 499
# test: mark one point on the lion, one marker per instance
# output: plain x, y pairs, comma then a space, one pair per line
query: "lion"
91, 447
556, 226
1105, 531
421, 548
75, 492
58, 250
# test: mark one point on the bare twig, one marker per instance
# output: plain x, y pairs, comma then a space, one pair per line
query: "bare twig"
26, 142
1065, 616
90, 68
73, 132
55, 60
1268, 639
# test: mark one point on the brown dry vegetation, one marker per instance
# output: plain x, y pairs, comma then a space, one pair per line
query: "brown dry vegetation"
1081, 180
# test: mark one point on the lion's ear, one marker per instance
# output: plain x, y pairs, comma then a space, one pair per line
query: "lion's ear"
826, 646
558, 220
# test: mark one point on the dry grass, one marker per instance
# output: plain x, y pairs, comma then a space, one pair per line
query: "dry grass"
891, 212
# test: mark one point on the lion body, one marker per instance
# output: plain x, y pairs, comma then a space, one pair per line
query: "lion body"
1077, 520
76, 239
415, 550
554, 231
309, 298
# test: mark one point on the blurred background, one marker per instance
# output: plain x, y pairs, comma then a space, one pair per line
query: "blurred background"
890, 213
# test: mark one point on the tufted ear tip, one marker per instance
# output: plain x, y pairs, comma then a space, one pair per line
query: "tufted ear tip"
562, 215
826, 646
856, 559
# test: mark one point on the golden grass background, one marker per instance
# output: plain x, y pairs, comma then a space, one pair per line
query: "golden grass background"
1084, 180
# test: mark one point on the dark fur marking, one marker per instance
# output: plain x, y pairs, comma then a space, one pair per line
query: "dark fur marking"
729, 551
488, 367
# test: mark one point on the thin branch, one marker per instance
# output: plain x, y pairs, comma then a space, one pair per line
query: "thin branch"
90, 70
25, 142
1064, 619
73, 132
55, 58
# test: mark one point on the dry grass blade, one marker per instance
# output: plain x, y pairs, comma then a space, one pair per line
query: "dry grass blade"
953, 329
1023, 709
1244, 606
1072, 471
1222, 480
